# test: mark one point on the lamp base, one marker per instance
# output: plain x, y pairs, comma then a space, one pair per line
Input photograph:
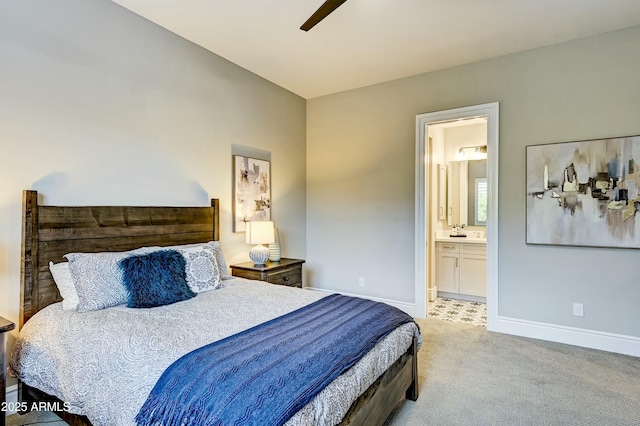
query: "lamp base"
259, 254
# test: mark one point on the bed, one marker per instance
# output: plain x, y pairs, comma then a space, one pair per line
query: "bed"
376, 383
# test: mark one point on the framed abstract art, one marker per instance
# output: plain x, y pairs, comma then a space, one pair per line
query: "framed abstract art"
251, 191
584, 193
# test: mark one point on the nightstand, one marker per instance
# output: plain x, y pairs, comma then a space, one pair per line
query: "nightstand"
284, 272
5, 325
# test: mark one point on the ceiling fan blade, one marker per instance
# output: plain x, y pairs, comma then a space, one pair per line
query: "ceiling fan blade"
324, 11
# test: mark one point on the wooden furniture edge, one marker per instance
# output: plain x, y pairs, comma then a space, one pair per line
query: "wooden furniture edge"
380, 400
249, 266
32, 396
5, 327
215, 204
28, 254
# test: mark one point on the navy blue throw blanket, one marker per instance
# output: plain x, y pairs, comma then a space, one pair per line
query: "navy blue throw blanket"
264, 375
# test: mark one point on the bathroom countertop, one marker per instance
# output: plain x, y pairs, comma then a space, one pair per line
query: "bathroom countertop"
466, 239
473, 236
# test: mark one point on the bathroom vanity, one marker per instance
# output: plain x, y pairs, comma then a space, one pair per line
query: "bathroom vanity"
461, 268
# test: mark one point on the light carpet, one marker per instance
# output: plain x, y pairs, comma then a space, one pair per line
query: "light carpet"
469, 376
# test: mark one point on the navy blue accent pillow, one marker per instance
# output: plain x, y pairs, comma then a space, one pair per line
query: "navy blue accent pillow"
155, 279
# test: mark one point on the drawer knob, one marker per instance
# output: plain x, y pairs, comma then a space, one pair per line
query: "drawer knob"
285, 279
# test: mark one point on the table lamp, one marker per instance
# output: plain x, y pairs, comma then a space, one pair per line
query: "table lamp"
259, 233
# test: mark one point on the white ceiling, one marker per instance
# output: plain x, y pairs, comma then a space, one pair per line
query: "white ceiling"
365, 42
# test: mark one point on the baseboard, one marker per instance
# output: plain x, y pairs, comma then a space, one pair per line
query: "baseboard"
610, 342
409, 308
12, 398
432, 293
467, 297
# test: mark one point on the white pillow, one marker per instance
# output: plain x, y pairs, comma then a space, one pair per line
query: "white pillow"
62, 277
220, 260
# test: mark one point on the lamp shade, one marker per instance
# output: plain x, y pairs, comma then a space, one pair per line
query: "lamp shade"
260, 232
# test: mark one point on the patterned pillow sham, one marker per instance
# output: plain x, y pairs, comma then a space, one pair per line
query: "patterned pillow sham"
62, 277
202, 271
155, 279
98, 279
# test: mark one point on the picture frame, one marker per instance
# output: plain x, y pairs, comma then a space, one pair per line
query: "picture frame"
251, 191
584, 193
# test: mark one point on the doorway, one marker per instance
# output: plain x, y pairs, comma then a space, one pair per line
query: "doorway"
423, 197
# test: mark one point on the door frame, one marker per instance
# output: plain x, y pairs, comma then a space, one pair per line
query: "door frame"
491, 111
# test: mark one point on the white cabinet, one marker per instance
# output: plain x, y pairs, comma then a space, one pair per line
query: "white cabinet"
462, 268
448, 264
473, 269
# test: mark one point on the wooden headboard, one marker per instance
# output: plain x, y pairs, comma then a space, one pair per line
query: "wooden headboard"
50, 232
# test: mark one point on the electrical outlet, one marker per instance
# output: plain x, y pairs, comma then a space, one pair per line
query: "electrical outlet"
361, 282
578, 310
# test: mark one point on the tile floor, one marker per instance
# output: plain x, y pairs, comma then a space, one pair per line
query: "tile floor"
454, 310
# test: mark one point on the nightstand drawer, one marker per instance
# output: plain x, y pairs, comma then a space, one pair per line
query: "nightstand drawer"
291, 277
283, 272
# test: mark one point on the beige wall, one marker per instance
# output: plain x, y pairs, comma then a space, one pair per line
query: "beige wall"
99, 106
360, 178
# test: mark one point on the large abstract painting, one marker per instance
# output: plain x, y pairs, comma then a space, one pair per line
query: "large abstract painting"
584, 193
251, 191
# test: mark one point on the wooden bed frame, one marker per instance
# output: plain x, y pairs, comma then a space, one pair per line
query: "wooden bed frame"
50, 232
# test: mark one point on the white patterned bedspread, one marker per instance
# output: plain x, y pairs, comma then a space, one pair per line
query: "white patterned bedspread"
104, 363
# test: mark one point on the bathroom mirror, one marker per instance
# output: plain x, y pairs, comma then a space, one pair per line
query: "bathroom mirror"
467, 192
